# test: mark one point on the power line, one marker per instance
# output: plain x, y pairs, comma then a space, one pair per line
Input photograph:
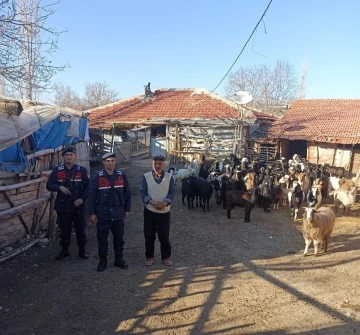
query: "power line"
262, 16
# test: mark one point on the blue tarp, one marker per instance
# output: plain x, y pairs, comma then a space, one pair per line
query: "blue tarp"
12, 159
52, 135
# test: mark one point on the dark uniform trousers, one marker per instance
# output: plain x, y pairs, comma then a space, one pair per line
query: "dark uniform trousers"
117, 229
65, 224
160, 223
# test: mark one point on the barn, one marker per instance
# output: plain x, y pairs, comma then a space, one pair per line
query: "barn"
321, 130
177, 123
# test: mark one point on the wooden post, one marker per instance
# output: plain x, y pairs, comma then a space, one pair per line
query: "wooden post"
52, 213
112, 137
137, 140
36, 219
52, 217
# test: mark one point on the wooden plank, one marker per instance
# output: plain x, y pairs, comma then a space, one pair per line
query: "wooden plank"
8, 213
18, 185
43, 152
8, 198
21, 249
11, 238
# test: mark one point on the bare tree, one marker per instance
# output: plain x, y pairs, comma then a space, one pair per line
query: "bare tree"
269, 86
25, 45
66, 97
99, 94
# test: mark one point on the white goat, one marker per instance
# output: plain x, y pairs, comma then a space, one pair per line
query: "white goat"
183, 173
334, 183
284, 182
317, 227
347, 198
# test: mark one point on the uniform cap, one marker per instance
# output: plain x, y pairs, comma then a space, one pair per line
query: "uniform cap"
108, 155
70, 149
159, 158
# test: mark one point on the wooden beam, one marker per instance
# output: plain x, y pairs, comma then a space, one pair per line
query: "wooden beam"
21, 249
8, 213
19, 185
43, 152
36, 221
8, 198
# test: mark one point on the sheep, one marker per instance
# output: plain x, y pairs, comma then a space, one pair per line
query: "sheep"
241, 199
347, 198
317, 227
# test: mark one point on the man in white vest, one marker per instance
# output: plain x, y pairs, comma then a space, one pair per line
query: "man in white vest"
157, 193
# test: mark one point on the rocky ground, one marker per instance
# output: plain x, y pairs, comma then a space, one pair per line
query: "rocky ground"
228, 277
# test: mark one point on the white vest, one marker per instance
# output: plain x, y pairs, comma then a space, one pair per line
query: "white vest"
157, 192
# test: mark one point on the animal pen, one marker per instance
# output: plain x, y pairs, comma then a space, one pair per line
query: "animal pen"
31, 141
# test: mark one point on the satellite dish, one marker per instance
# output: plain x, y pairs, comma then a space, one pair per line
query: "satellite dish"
242, 97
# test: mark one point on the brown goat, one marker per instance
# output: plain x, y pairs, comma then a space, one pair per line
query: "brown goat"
250, 181
346, 184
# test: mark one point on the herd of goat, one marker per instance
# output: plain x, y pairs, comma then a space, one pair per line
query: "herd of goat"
242, 183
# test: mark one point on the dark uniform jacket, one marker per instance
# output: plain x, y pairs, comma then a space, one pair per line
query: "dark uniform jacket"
76, 180
109, 195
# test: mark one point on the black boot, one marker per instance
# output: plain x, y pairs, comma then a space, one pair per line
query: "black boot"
120, 262
63, 253
82, 253
102, 264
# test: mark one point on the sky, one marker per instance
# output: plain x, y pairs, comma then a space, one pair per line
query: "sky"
188, 44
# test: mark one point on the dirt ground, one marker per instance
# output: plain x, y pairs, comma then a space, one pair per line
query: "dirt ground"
228, 277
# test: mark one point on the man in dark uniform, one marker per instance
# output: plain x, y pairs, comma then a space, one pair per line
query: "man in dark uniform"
71, 182
157, 193
109, 203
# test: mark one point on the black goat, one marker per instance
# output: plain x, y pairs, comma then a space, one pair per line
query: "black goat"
296, 198
215, 183
188, 190
240, 199
203, 173
204, 191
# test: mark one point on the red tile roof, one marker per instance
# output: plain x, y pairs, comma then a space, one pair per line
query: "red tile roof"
321, 120
169, 104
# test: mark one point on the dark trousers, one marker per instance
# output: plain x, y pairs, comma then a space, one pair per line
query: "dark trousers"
66, 221
117, 229
160, 223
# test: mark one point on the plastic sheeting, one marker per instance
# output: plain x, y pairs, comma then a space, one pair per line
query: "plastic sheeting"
12, 159
14, 128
